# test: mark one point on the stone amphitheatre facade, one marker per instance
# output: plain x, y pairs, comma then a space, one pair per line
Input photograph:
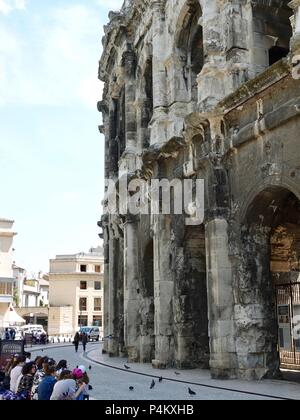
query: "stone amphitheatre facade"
205, 89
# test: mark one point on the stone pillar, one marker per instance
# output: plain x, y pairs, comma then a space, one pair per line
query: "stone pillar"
211, 87
163, 293
220, 300
129, 63
239, 45
115, 287
106, 313
295, 41
128, 164
159, 71
255, 314
131, 289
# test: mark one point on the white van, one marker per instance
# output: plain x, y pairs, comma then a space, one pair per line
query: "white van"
31, 328
93, 333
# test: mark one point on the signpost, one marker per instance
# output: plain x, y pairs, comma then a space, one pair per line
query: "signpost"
8, 349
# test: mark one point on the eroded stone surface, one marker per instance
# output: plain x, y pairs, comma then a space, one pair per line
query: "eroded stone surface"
202, 89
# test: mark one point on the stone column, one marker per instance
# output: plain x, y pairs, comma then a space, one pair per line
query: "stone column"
129, 62
131, 289
295, 41
115, 270
163, 293
129, 161
159, 71
106, 313
239, 42
220, 300
255, 314
211, 86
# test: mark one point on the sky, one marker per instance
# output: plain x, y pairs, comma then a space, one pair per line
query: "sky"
51, 152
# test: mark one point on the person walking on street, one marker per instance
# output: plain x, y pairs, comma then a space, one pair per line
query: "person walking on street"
84, 341
76, 341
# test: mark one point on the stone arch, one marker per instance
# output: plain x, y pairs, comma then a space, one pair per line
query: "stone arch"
189, 46
272, 214
269, 183
272, 31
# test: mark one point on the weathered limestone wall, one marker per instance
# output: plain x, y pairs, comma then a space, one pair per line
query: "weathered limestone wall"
190, 93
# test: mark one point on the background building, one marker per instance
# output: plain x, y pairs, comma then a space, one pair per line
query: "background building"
31, 297
6, 271
76, 292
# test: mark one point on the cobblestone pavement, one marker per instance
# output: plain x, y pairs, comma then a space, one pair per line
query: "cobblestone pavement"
112, 383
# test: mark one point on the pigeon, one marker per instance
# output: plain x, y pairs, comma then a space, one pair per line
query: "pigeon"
126, 367
191, 392
160, 379
152, 384
131, 388
177, 373
90, 367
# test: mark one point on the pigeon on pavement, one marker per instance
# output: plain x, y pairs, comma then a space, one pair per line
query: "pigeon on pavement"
152, 384
126, 367
191, 392
160, 379
131, 388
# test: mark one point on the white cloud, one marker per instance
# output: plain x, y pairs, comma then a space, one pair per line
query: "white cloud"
56, 63
7, 6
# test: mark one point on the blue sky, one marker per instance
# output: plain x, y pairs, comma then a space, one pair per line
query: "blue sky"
51, 153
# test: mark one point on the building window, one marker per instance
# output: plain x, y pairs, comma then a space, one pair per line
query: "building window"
97, 268
83, 285
6, 289
83, 268
83, 304
97, 285
97, 321
97, 304
82, 321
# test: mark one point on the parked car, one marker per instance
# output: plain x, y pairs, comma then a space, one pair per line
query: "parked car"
93, 333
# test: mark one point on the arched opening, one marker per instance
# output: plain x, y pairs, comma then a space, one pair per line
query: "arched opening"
191, 306
190, 47
272, 31
147, 305
268, 292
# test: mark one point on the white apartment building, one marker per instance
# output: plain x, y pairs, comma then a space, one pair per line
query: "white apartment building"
76, 286
30, 293
6, 271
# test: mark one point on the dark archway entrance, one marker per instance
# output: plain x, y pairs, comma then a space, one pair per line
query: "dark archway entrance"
268, 291
285, 269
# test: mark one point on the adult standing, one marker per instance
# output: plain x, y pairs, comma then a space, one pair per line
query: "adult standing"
76, 341
84, 341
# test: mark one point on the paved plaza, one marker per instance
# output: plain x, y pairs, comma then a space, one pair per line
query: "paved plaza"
111, 380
